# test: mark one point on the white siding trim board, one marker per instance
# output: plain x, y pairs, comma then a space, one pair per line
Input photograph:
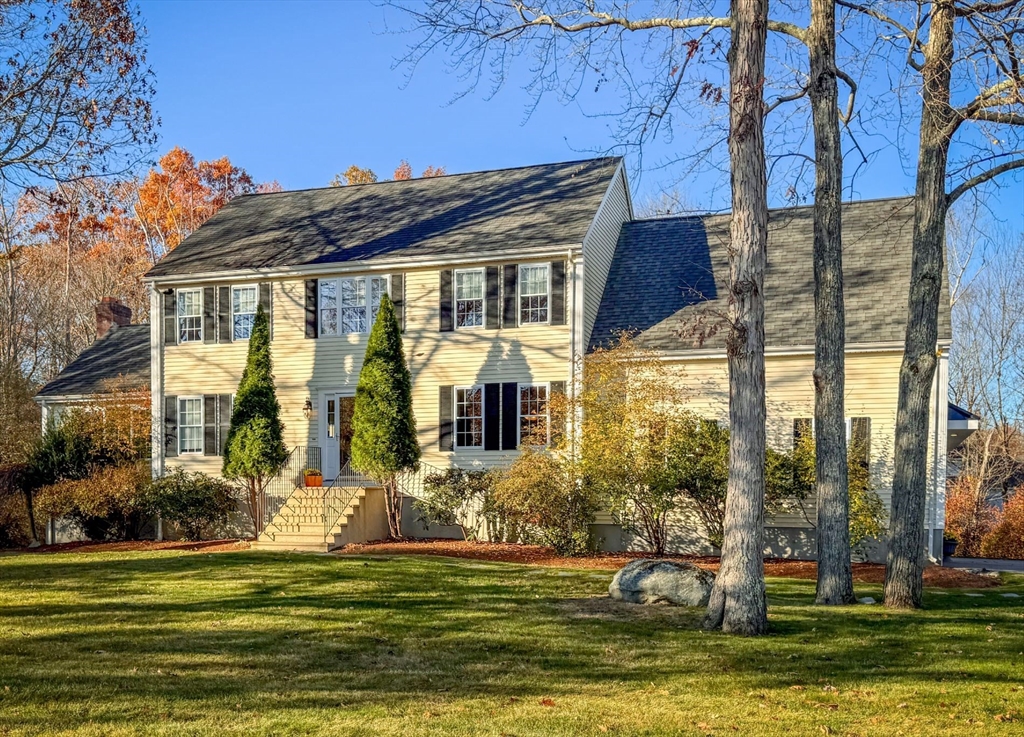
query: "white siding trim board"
345, 267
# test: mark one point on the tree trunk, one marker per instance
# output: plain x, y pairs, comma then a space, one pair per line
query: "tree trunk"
31, 512
835, 574
905, 564
393, 506
738, 603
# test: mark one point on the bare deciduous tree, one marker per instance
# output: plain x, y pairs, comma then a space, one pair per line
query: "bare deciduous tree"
971, 47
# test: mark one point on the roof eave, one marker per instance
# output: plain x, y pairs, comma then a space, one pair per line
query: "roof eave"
341, 267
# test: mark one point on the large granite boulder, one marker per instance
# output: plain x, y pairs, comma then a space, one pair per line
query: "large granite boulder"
656, 581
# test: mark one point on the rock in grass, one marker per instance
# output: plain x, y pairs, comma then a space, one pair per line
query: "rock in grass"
866, 600
657, 581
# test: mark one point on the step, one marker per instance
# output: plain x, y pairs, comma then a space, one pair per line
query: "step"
302, 546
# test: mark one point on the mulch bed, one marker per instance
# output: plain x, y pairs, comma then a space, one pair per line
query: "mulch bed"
206, 546
948, 578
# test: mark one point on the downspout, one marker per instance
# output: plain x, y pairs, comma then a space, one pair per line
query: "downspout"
156, 390
575, 346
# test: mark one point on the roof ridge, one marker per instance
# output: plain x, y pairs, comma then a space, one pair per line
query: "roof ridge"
421, 178
791, 208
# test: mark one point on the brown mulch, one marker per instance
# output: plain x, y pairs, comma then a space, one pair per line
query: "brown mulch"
937, 576
206, 546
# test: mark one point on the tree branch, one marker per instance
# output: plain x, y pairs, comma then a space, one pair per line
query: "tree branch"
533, 18
985, 176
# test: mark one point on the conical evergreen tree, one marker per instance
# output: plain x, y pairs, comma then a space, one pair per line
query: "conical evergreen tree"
255, 450
384, 441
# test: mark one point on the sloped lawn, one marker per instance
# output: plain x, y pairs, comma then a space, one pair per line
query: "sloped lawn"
253, 643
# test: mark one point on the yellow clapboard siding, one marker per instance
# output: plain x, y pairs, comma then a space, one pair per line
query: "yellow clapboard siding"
599, 250
305, 367
871, 391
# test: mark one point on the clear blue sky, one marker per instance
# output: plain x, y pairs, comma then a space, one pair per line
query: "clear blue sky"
298, 91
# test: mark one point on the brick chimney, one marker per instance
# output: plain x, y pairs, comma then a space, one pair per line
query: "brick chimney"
110, 312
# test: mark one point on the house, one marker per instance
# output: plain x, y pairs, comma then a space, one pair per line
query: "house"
115, 367
502, 281
117, 359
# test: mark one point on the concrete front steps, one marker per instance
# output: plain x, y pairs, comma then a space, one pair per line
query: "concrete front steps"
299, 525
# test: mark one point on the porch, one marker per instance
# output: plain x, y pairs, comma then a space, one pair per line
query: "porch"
348, 508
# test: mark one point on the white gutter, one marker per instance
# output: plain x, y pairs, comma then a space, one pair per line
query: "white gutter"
405, 264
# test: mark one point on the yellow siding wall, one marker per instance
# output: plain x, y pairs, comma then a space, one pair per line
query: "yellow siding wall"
306, 367
599, 249
871, 391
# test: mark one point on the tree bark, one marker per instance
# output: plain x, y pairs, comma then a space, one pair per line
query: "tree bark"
905, 564
835, 574
738, 603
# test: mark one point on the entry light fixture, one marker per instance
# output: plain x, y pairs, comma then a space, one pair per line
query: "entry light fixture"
307, 408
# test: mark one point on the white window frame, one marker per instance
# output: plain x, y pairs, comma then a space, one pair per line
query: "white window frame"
371, 310
849, 428
201, 426
456, 416
483, 298
178, 317
256, 290
520, 295
519, 409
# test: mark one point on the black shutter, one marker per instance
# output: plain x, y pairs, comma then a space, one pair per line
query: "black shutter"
558, 292
224, 326
209, 315
860, 439
398, 298
170, 426
265, 303
492, 312
445, 436
802, 428
557, 423
223, 420
509, 416
311, 306
170, 319
510, 317
492, 416
445, 305
209, 424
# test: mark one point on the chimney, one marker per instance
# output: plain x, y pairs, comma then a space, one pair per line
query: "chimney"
110, 312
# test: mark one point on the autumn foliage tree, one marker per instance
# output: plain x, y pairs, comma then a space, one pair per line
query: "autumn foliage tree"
358, 175
181, 194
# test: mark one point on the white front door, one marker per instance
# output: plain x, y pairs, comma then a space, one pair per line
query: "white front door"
336, 431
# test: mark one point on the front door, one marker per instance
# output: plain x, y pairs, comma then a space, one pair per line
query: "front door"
337, 432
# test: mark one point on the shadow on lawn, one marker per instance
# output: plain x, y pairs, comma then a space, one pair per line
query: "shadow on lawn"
297, 632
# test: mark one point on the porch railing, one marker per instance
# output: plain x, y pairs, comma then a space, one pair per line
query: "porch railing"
287, 480
339, 493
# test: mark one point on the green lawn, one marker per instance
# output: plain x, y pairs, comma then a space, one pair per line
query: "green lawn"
261, 643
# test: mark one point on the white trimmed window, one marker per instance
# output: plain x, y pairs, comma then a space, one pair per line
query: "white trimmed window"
469, 416
534, 291
534, 415
243, 311
190, 425
469, 298
190, 315
350, 305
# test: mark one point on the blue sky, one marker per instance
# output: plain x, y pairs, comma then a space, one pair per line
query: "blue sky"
298, 91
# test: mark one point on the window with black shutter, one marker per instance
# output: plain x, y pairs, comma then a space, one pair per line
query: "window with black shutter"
170, 426
311, 308
445, 436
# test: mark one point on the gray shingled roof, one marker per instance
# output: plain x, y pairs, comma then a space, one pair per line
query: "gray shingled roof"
669, 278
123, 353
484, 212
